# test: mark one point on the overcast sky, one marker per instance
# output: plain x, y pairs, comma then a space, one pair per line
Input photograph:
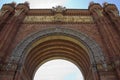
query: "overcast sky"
58, 70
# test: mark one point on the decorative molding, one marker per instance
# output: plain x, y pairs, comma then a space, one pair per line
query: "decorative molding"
18, 12
99, 12
95, 52
8, 67
58, 9
58, 17
115, 13
2, 12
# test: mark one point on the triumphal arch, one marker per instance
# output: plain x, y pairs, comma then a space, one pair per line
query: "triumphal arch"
89, 38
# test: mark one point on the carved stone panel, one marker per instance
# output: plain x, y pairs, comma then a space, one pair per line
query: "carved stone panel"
58, 17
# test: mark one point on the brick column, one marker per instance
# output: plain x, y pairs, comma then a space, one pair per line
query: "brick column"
108, 36
113, 14
6, 39
11, 27
6, 12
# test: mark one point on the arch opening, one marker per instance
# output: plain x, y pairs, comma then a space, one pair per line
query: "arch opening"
58, 69
53, 47
57, 43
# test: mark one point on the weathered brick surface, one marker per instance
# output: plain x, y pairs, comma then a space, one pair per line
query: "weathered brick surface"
105, 31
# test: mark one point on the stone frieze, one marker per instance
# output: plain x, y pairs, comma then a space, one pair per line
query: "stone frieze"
58, 18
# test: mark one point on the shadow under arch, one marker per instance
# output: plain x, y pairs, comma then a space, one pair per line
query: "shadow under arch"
93, 50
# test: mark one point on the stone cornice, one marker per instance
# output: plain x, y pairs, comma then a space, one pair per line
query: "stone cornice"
67, 12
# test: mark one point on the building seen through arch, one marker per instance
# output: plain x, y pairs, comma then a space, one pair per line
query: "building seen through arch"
89, 38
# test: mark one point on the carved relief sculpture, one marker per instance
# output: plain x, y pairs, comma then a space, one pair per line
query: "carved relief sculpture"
58, 9
99, 12
115, 13
2, 12
18, 12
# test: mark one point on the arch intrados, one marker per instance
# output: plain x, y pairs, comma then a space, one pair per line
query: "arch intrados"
54, 43
72, 57
57, 42
42, 55
56, 50
42, 51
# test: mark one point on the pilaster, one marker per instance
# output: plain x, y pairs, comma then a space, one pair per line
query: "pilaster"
112, 13
6, 12
109, 38
11, 28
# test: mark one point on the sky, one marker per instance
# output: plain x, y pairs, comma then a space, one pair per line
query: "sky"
79, 4
58, 69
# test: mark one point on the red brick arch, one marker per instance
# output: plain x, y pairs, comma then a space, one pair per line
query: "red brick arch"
57, 43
